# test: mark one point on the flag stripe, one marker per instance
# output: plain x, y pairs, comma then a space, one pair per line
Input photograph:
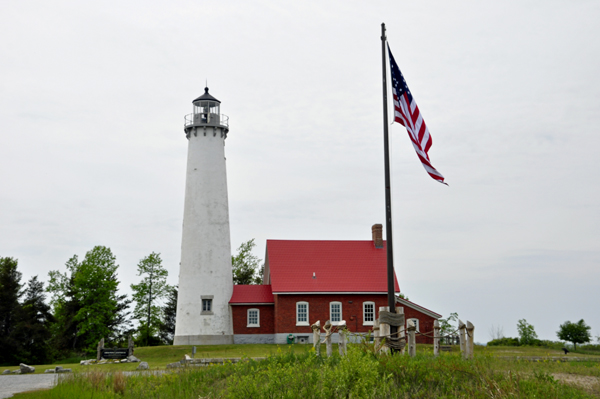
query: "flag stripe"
406, 112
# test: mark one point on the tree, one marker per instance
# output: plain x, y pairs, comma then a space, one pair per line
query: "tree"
247, 267
152, 288
86, 299
103, 312
10, 293
496, 332
576, 333
169, 313
527, 334
65, 307
33, 327
446, 328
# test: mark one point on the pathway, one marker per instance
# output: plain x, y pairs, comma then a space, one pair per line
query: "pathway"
11, 384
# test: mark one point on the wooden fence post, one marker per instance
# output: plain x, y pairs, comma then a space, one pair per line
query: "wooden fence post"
384, 329
327, 327
463, 343
411, 329
404, 339
343, 335
401, 331
376, 339
316, 328
436, 338
470, 340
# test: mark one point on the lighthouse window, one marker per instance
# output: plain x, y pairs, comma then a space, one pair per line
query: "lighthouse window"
302, 313
335, 312
253, 318
368, 313
207, 304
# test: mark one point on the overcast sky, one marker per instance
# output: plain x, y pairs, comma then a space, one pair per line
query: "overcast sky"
92, 148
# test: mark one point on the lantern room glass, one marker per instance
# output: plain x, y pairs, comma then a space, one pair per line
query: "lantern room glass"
206, 108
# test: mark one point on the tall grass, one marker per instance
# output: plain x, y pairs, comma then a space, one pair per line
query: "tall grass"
361, 374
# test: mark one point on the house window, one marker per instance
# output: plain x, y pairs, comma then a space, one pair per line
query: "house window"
335, 312
416, 321
207, 308
253, 318
368, 313
302, 313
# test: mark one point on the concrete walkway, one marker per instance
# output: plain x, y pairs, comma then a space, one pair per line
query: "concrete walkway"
11, 384
15, 383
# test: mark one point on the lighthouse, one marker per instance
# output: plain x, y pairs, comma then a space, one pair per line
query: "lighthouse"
205, 276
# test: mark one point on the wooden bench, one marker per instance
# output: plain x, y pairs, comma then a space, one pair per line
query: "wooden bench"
446, 348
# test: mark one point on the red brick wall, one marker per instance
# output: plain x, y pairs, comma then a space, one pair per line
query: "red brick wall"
240, 319
318, 309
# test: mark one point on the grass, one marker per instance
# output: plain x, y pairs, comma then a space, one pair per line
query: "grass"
519, 351
294, 372
159, 356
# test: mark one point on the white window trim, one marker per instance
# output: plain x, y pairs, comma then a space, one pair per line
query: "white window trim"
369, 323
210, 299
303, 323
335, 323
257, 318
416, 321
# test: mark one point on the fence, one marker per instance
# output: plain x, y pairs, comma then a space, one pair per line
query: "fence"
403, 341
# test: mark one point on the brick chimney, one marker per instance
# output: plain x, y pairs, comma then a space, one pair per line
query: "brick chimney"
377, 231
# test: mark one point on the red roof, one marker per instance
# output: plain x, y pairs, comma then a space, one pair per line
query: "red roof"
338, 266
252, 294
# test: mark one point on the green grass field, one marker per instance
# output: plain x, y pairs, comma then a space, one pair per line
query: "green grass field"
293, 371
159, 356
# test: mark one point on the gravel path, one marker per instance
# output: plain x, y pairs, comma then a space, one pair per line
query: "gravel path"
11, 384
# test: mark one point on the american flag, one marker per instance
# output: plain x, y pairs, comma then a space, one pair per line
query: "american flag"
407, 113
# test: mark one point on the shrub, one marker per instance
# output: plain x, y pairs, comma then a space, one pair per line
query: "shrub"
119, 383
506, 341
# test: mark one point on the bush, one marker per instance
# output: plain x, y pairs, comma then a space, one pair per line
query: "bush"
589, 349
506, 341
544, 343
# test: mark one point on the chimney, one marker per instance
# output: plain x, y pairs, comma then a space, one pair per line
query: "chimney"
377, 231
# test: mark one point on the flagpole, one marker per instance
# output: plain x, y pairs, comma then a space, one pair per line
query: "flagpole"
388, 191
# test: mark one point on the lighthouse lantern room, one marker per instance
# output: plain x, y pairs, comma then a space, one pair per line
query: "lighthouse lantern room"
206, 113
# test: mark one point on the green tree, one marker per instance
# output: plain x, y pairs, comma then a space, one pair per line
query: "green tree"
247, 267
147, 293
576, 333
65, 307
169, 313
103, 311
86, 299
33, 327
527, 334
446, 328
10, 293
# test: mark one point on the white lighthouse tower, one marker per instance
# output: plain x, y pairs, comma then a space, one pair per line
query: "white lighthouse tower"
205, 276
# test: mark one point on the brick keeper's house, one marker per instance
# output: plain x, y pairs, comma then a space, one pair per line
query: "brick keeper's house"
306, 281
